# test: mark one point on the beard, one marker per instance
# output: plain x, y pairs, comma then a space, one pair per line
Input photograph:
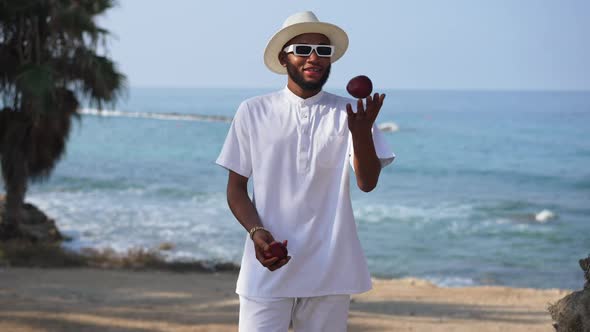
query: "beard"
303, 84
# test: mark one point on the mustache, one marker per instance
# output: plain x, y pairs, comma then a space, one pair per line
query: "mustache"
302, 83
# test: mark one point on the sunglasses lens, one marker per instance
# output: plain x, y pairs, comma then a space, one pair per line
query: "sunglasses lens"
324, 50
302, 50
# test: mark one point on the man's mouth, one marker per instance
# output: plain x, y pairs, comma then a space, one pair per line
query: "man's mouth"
313, 72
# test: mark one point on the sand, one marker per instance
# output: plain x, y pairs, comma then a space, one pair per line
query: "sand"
38, 300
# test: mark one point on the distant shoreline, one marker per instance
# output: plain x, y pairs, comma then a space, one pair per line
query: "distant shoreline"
58, 256
155, 115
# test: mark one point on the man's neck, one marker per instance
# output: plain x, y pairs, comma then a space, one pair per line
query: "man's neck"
298, 91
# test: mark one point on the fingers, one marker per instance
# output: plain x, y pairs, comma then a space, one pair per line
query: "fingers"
273, 263
279, 264
262, 247
360, 108
379, 102
374, 104
349, 111
375, 100
269, 263
265, 247
261, 252
263, 255
262, 243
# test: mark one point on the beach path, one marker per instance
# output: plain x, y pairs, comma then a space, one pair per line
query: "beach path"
48, 300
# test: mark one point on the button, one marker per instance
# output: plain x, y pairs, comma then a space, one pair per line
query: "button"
305, 116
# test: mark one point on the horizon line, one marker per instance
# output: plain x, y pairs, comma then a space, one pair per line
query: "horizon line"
187, 87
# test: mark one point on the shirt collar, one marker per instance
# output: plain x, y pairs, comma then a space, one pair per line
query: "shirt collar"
295, 99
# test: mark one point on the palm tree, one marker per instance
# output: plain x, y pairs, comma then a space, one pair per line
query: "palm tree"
49, 60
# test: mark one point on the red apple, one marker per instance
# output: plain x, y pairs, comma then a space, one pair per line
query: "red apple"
360, 86
276, 249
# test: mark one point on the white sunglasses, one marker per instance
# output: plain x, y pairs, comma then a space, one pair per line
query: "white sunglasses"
306, 49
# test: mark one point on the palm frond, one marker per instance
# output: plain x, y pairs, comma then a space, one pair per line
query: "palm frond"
48, 61
35, 81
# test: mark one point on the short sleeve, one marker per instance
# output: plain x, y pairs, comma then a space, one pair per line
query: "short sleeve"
235, 153
384, 153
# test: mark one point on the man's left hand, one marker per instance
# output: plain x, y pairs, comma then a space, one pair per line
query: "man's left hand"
362, 121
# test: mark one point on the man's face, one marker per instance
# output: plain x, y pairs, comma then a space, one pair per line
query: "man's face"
308, 72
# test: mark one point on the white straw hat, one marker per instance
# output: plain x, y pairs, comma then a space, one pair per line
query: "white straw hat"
295, 25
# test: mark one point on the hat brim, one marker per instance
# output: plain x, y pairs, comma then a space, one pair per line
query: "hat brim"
337, 37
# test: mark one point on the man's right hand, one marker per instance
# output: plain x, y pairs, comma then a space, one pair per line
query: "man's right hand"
262, 240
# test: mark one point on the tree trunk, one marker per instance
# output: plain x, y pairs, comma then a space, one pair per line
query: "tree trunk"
14, 170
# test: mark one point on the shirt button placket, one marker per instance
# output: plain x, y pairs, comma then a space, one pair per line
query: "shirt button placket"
305, 145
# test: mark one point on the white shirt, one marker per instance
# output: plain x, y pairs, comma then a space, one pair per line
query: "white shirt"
298, 152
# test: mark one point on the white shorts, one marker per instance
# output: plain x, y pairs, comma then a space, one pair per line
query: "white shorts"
307, 314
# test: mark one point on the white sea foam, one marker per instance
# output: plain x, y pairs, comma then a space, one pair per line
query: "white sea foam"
201, 226
122, 221
154, 115
388, 127
544, 216
450, 281
378, 213
447, 218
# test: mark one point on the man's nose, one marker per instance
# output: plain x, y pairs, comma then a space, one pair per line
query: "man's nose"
313, 56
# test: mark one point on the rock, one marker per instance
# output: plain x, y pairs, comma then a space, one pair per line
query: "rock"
36, 225
585, 265
572, 313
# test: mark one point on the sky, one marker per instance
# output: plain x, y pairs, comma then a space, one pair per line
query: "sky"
410, 44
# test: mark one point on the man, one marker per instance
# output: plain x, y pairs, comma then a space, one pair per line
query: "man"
296, 145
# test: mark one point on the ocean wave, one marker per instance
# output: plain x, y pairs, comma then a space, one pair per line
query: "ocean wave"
104, 185
460, 219
380, 213
450, 281
83, 183
520, 212
122, 221
514, 176
388, 127
155, 115
545, 216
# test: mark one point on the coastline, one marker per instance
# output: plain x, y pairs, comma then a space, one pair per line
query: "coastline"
92, 299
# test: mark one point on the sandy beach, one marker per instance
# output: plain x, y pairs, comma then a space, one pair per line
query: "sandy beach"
80, 299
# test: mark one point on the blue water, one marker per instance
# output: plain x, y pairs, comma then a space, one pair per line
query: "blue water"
457, 207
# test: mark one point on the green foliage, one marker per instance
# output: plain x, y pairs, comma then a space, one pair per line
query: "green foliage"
52, 55
47, 46
34, 80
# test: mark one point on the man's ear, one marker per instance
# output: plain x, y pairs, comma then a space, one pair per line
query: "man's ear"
283, 58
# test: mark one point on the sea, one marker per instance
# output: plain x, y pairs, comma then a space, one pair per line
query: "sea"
488, 187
